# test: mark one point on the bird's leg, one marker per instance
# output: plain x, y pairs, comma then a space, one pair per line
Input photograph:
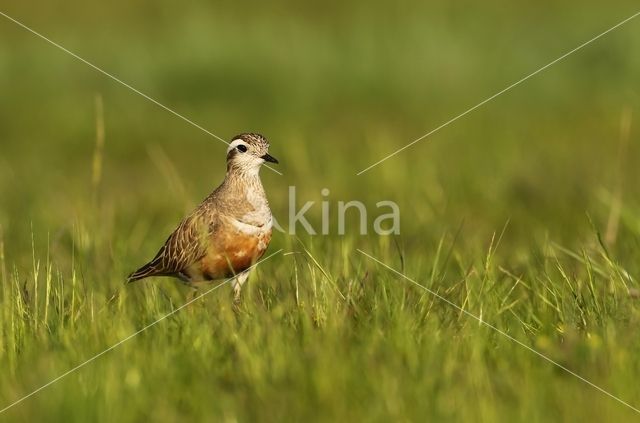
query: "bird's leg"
237, 283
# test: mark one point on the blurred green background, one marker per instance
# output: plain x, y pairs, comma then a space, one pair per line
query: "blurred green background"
335, 86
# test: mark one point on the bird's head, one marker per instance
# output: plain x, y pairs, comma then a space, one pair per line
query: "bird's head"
247, 152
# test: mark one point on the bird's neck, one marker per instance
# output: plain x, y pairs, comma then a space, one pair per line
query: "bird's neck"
243, 180
244, 197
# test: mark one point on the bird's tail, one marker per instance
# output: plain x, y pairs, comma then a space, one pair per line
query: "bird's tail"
149, 269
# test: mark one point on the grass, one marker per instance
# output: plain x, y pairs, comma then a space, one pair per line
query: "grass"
524, 213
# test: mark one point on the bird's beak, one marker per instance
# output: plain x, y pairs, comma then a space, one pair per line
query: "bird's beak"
269, 158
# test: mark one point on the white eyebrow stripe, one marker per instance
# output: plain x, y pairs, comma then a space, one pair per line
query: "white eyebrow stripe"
235, 143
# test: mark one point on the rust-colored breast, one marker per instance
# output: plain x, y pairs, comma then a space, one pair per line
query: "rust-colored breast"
231, 252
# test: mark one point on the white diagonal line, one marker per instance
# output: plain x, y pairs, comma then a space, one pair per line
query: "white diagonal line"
482, 103
133, 335
522, 344
86, 62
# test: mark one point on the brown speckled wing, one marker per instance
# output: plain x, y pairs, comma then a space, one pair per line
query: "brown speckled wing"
185, 246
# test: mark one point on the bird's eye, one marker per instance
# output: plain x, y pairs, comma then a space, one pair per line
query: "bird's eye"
242, 148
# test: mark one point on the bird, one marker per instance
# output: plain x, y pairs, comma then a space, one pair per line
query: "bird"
228, 232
